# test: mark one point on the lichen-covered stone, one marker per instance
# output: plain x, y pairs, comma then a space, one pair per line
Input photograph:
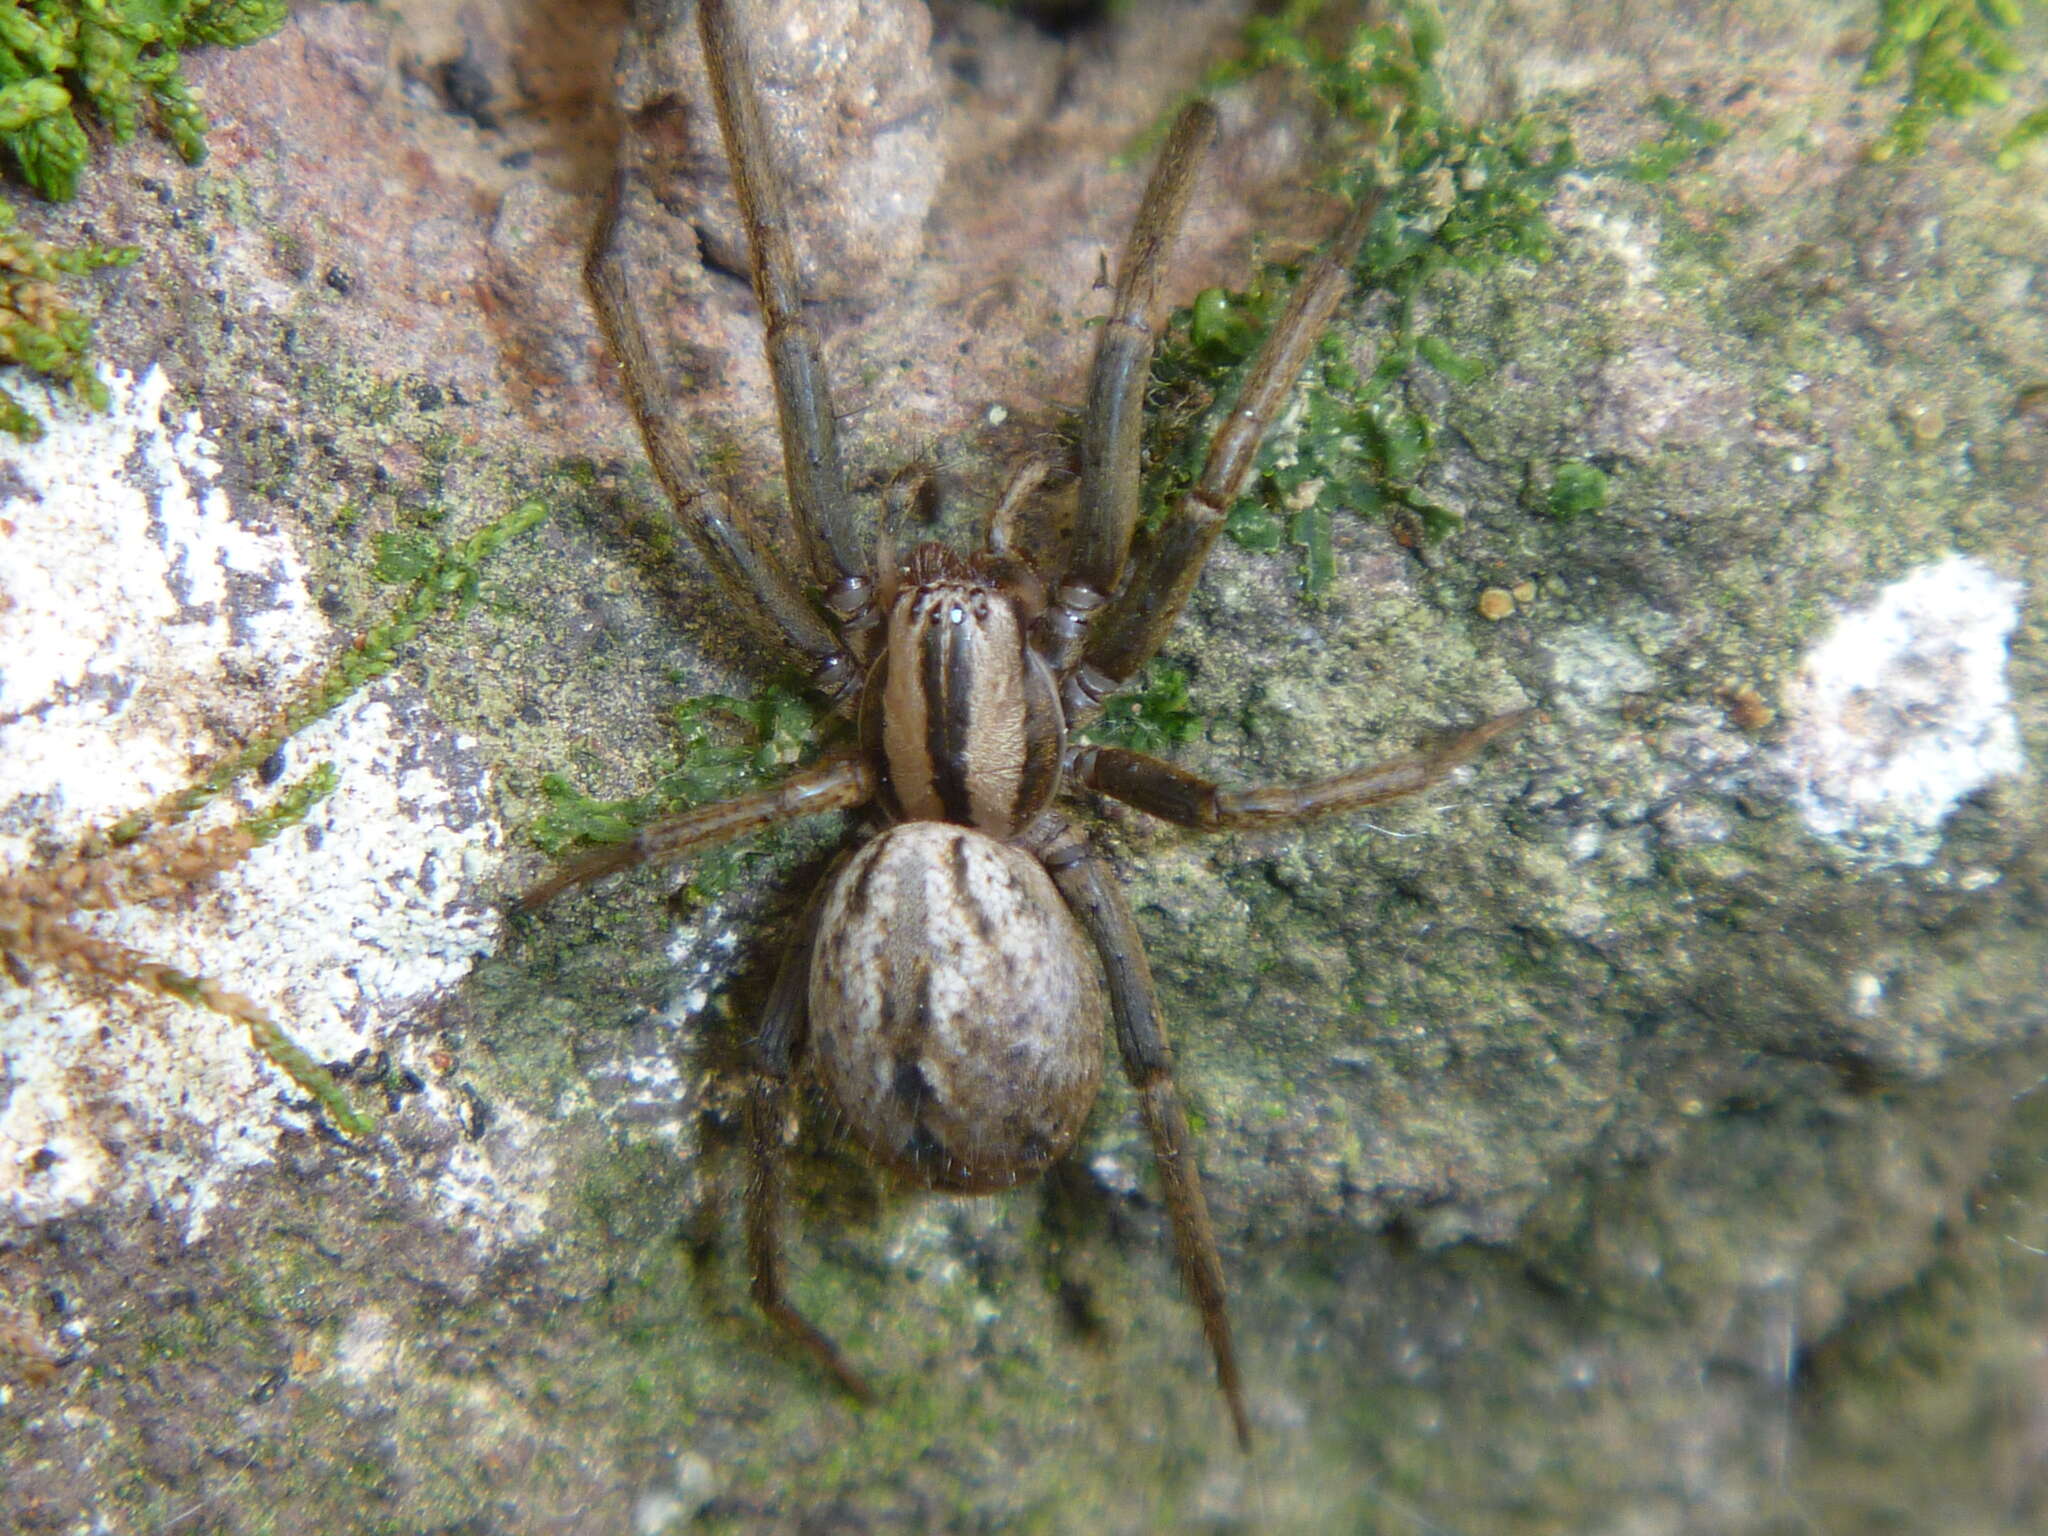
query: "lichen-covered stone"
1707, 1144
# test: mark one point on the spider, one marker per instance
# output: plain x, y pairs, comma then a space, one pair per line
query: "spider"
950, 979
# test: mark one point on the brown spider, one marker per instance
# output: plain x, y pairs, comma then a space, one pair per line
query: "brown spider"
941, 987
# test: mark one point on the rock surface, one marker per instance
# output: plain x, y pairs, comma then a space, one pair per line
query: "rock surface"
1638, 1134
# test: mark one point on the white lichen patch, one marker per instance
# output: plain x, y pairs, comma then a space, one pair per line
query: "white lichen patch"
498, 1188
129, 597
1585, 209
1903, 710
1594, 667
145, 632
369, 1350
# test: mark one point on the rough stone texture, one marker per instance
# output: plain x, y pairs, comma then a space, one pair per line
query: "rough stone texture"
147, 629
1595, 1145
849, 93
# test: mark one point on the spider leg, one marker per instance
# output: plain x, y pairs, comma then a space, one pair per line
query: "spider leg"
1127, 633
1090, 889
1115, 418
752, 576
837, 784
1185, 799
784, 1024
818, 497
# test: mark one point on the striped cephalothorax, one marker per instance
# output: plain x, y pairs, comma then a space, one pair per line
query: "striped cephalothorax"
951, 981
959, 711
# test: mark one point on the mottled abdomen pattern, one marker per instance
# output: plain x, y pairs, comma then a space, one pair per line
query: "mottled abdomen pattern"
956, 1009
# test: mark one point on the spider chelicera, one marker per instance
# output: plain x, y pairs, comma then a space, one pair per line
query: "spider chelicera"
951, 978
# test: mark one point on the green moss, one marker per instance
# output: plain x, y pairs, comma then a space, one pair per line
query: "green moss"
723, 746
1154, 717
448, 577
1461, 197
1576, 488
2029, 130
113, 58
1955, 55
290, 808
287, 1055
39, 330
1689, 136
409, 556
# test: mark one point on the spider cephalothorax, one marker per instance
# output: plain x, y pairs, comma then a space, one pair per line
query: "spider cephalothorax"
951, 981
959, 710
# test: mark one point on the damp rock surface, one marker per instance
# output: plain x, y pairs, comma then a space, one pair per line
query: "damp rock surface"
1636, 1132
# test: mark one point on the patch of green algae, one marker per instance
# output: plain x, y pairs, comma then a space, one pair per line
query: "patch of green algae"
1462, 195
1957, 57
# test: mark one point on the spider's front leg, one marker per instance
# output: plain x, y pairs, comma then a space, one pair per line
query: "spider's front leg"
752, 577
818, 498
1129, 631
1113, 425
1088, 885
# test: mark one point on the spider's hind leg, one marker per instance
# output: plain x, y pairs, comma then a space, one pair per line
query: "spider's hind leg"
776, 1048
1089, 887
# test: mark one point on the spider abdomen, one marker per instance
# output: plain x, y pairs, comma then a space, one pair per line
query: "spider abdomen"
956, 1010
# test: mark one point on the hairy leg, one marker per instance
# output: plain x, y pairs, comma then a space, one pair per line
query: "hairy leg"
837, 784
1127, 633
1161, 789
781, 1039
752, 577
818, 497
1115, 416
1084, 879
